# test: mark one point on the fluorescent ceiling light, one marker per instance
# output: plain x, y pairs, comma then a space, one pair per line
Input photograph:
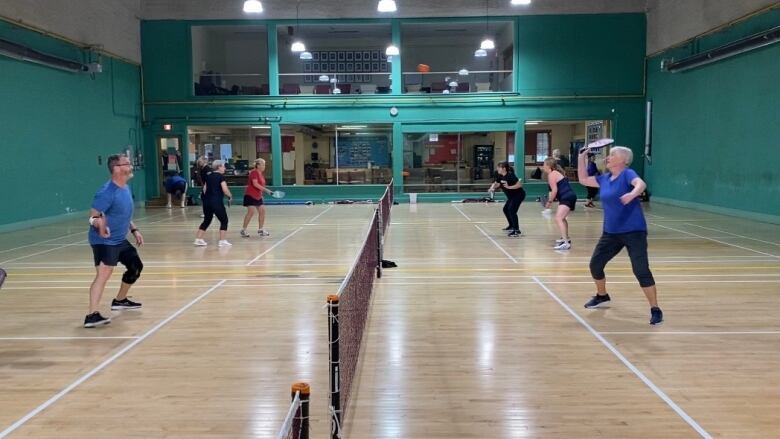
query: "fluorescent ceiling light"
306, 55
521, 2
480, 53
261, 127
324, 78
463, 72
298, 47
253, 7
487, 44
392, 51
352, 127
533, 122
386, 6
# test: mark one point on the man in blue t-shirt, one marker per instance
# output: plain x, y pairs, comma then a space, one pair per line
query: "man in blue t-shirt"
624, 226
110, 219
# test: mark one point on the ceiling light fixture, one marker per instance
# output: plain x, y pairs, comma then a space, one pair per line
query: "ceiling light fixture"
386, 6
463, 72
521, 2
306, 56
253, 7
479, 53
392, 50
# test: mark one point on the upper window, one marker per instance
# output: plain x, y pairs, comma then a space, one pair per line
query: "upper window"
450, 58
230, 60
336, 59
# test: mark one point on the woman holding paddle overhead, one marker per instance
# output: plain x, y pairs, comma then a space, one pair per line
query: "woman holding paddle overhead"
624, 226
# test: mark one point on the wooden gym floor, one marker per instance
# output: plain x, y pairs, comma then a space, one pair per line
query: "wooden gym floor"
473, 335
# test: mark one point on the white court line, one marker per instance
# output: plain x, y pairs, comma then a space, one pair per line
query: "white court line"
715, 240
702, 432
461, 212
690, 332
320, 214
281, 241
66, 338
104, 364
140, 287
514, 282
54, 239
79, 242
733, 234
496, 244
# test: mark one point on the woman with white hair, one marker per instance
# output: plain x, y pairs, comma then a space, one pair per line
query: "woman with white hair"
624, 225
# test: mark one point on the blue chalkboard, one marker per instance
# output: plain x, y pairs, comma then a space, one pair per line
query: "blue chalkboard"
357, 151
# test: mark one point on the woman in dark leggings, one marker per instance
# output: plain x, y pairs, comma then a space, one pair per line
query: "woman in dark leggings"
624, 226
214, 190
560, 190
515, 194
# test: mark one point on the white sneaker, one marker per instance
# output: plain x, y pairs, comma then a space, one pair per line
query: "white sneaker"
566, 245
243, 233
168, 206
200, 242
559, 242
262, 232
224, 243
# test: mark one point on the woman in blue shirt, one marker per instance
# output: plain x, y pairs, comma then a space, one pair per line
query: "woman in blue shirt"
624, 226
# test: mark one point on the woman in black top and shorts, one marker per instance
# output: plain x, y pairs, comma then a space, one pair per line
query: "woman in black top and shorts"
561, 190
515, 194
214, 190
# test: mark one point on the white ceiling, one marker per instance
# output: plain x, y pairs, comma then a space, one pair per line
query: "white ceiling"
340, 9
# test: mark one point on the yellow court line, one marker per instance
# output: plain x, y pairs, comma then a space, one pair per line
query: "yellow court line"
342, 272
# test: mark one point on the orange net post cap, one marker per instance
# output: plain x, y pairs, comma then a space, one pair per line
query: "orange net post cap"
301, 387
423, 68
333, 298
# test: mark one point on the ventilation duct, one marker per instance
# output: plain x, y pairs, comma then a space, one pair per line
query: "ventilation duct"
746, 44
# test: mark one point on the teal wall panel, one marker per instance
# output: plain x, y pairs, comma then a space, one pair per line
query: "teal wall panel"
56, 124
576, 55
716, 128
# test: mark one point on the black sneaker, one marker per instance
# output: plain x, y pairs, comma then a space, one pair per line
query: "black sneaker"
597, 301
656, 315
95, 319
514, 234
507, 228
124, 304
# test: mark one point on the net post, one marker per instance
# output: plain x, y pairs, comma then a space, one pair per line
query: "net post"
335, 385
300, 426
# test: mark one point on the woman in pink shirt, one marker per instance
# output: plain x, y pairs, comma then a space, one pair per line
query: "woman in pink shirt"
253, 199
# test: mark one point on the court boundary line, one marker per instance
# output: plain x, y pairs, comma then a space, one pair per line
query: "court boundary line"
462, 213
690, 332
642, 377
511, 258
79, 242
733, 234
281, 241
715, 240
61, 237
129, 337
48, 403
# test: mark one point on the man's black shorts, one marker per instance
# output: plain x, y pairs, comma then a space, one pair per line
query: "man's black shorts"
111, 254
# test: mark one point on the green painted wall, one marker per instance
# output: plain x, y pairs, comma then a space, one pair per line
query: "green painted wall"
55, 124
576, 55
716, 128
